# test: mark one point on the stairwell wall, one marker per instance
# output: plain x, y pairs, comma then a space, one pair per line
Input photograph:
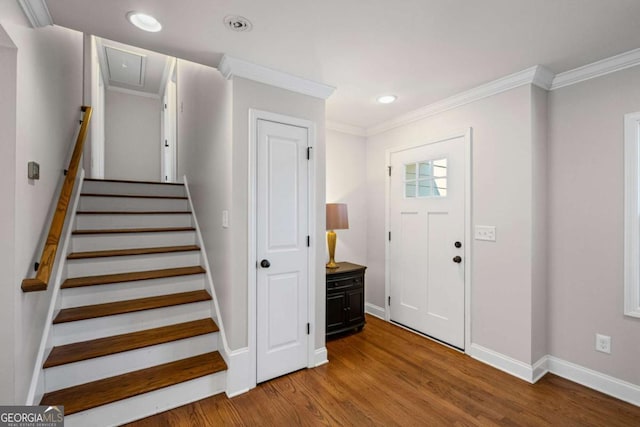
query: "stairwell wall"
204, 156
47, 109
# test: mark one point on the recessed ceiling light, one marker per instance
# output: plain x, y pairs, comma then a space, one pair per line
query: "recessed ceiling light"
386, 99
144, 22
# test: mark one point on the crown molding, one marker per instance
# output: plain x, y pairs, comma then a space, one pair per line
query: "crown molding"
36, 12
536, 75
233, 67
345, 128
597, 69
132, 92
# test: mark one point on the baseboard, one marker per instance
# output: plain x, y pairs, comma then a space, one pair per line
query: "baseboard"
504, 363
238, 380
374, 310
603, 383
540, 368
320, 357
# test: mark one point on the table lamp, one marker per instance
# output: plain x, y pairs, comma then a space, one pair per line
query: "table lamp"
337, 219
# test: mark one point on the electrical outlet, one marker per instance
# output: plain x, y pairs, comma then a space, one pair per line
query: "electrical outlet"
603, 343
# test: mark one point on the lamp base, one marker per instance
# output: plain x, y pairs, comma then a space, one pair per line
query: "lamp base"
332, 264
331, 242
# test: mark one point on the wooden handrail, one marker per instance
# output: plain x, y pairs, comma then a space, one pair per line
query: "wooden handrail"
40, 282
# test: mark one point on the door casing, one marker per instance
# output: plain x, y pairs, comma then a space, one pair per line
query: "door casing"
254, 116
468, 235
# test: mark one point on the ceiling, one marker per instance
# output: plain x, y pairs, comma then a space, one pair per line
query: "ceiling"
420, 50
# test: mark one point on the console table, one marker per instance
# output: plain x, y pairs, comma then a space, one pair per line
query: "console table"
345, 298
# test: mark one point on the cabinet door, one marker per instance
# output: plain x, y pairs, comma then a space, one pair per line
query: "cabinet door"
336, 304
355, 304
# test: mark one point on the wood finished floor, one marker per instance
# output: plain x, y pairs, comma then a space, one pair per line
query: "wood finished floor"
387, 376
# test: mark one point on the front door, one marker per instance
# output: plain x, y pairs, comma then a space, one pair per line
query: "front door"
426, 248
282, 230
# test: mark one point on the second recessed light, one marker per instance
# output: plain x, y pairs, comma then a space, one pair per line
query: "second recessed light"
144, 22
386, 99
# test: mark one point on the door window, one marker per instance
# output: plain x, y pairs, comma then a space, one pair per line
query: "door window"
426, 178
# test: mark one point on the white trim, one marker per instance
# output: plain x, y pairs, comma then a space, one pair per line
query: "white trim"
536, 75
36, 12
320, 357
254, 116
597, 69
132, 92
502, 362
238, 372
345, 128
539, 369
606, 384
467, 134
374, 310
632, 212
167, 72
233, 67
36, 387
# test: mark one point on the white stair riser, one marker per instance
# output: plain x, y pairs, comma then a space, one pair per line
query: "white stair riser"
126, 264
84, 330
107, 187
101, 242
127, 204
105, 222
87, 295
72, 374
144, 405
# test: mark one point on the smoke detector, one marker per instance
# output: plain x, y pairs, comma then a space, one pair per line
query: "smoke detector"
237, 23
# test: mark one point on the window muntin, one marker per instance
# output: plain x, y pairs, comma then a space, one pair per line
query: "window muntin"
426, 178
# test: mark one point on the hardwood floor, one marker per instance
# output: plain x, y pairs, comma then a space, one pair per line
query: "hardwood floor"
388, 376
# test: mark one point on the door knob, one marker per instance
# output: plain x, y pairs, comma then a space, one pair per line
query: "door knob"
457, 245
457, 259
265, 263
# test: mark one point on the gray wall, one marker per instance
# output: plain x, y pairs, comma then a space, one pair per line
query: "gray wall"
132, 137
502, 167
347, 183
586, 205
49, 95
204, 156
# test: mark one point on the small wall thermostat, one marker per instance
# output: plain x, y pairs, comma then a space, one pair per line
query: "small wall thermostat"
34, 170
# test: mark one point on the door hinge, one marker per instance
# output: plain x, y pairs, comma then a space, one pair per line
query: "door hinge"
308, 328
308, 241
389, 301
389, 236
36, 266
309, 153
165, 106
166, 143
389, 168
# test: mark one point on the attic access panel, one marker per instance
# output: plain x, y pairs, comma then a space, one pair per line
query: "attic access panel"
125, 67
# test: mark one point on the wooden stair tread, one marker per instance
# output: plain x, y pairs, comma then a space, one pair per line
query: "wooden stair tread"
109, 390
105, 279
129, 306
76, 352
128, 181
135, 251
133, 213
133, 196
133, 230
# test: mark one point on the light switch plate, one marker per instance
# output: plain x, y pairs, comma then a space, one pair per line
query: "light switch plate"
485, 232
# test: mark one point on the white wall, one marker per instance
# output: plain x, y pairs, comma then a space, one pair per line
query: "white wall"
204, 156
346, 183
586, 250
8, 56
249, 94
502, 196
49, 96
132, 136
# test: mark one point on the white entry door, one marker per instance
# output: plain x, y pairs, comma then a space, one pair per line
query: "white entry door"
427, 247
282, 251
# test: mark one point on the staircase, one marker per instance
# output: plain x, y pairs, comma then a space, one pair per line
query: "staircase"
135, 332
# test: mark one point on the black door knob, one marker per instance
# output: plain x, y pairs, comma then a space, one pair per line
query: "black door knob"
457, 259
457, 244
265, 263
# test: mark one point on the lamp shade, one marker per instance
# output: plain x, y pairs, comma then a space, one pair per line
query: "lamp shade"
337, 218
